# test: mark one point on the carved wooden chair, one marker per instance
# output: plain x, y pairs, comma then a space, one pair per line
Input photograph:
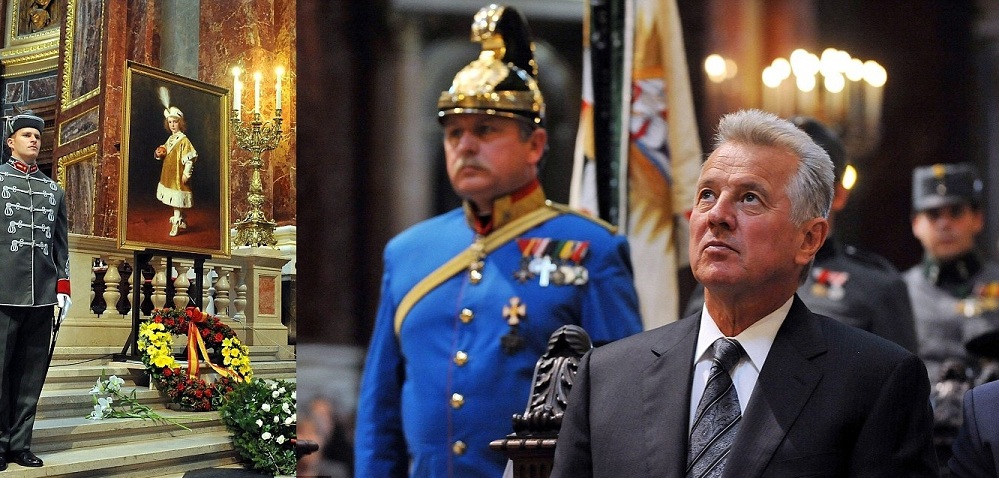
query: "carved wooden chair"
531, 447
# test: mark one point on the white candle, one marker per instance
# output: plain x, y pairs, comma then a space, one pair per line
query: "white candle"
237, 100
256, 92
280, 73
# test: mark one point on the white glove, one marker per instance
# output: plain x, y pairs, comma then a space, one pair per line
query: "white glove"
64, 304
188, 170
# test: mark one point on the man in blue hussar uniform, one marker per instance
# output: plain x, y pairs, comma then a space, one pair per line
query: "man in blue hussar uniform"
35, 259
954, 291
853, 286
469, 298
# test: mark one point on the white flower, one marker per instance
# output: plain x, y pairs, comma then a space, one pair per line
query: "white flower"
260, 422
279, 439
275, 394
282, 390
274, 385
286, 408
276, 419
266, 407
96, 389
266, 435
115, 383
290, 420
105, 402
294, 394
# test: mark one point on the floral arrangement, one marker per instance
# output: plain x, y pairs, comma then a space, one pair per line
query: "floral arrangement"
204, 332
261, 416
111, 402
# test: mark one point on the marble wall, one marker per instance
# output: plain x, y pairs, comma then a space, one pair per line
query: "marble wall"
259, 39
163, 35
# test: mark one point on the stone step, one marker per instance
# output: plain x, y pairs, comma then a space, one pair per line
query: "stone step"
140, 456
64, 433
63, 377
73, 446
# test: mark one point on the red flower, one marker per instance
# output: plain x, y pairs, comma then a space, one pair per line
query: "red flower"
218, 336
167, 372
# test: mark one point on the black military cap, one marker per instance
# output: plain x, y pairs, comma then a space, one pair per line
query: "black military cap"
826, 139
16, 122
944, 185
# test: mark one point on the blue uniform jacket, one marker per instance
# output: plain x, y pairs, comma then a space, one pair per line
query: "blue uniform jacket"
433, 398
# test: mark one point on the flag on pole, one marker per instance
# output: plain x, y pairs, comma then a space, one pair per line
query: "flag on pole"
654, 157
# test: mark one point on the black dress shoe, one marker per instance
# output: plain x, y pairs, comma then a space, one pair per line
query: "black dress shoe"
26, 458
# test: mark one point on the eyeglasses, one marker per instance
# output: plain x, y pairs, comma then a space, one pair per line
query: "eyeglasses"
954, 211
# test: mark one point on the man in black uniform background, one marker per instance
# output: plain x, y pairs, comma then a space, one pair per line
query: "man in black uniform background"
34, 257
856, 287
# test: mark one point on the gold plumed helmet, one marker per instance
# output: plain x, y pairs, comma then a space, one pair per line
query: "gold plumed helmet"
502, 80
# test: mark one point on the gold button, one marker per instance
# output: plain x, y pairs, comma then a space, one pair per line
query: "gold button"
460, 358
466, 315
457, 400
459, 447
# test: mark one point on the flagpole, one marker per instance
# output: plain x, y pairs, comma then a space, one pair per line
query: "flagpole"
601, 53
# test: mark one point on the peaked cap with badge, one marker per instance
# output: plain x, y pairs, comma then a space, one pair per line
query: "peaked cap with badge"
467, 308
941, 185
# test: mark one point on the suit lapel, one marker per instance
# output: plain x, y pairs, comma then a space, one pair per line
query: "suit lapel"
666, 398
786, 382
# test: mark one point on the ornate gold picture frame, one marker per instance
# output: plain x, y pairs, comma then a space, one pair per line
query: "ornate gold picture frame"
156, 186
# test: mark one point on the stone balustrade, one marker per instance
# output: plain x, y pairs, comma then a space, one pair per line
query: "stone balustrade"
244, 290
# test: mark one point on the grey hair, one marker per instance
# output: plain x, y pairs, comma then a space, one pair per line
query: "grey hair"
811, 188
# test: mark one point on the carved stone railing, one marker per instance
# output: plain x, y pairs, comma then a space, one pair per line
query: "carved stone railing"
244, 290
531, 446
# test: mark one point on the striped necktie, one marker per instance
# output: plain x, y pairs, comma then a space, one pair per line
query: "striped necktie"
718, 414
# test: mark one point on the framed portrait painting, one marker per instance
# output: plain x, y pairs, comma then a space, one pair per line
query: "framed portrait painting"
174, 181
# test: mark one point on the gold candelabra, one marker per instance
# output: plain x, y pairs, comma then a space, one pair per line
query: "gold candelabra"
255, 229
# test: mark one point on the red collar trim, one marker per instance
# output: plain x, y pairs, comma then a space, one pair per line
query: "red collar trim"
22, 166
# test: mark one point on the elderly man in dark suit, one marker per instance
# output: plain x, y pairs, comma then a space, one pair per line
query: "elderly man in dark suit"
976, 448
785, 392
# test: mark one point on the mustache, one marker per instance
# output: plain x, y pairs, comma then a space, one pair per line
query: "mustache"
467, 162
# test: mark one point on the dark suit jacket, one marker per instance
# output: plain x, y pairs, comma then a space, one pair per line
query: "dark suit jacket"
976, 449
831, 400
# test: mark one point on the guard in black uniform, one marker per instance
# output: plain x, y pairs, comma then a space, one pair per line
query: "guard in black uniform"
856, 287
34, 258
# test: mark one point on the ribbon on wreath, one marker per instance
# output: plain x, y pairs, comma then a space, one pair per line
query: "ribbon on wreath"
195, 343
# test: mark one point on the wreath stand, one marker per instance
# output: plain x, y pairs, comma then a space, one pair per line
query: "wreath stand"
130, 351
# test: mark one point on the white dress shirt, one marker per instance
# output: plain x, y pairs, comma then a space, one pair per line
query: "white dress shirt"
755, 340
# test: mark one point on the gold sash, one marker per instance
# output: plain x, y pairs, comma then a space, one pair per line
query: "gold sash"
464, 258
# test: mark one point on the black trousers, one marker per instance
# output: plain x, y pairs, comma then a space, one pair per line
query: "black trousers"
25, 333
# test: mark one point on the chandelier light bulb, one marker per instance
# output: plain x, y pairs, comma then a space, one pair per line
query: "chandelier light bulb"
854, 70
834, 83
875, 74
781, 68
849, 177
805, 83
771, 77
714, 66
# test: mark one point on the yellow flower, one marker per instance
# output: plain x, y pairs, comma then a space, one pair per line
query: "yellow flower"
163, 361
